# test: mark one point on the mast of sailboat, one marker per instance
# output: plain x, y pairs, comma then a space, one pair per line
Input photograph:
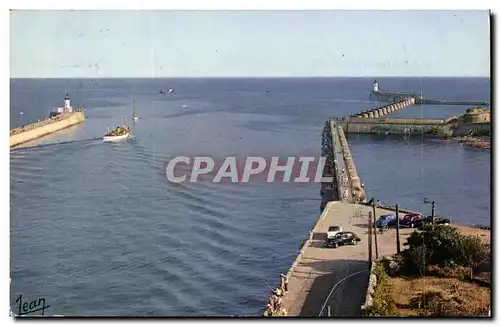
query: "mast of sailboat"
133, 105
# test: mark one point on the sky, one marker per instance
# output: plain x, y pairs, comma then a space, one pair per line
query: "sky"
114, 44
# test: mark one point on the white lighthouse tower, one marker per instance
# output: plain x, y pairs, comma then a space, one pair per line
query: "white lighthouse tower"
67, 104
375, 86
66, 109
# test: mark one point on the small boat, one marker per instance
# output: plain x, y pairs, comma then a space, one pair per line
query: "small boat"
170, 90
118, 134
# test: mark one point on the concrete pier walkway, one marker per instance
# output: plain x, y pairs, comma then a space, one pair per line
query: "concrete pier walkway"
320, 268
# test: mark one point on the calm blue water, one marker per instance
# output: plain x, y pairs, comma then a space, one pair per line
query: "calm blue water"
96, 229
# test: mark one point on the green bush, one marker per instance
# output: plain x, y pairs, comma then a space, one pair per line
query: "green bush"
383, 302
472, 252
443, 246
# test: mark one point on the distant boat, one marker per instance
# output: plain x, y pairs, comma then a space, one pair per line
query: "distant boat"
21, 112
134, 116
161, 91
170, 90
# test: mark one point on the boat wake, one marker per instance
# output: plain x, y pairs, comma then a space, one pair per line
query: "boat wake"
41, 146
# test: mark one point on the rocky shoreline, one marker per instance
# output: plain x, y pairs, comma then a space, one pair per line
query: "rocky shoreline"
476, 142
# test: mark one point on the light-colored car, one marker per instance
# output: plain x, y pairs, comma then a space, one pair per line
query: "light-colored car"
332, 231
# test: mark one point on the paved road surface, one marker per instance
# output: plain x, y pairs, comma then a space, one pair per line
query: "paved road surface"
321, 268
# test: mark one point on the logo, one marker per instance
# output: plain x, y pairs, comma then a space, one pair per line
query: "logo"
292, 169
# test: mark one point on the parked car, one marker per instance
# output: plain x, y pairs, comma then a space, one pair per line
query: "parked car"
342, 238
386, 221
332, 231
409, 220
428, 220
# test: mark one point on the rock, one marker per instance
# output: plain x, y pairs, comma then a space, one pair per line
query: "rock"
369, 301
373, 280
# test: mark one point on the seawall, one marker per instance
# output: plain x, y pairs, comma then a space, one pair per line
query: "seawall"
444, 102
46, 127
381, 111
399, 126
392, 96
451, 126
357, 191
419, 99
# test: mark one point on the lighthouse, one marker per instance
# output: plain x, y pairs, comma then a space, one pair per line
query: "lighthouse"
67, 103
375, 86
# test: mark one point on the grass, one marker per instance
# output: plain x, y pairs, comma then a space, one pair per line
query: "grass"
439, 296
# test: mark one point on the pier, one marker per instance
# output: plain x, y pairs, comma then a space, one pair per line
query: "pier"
392, 97
384, 110
61, 119
45, 127
328, 282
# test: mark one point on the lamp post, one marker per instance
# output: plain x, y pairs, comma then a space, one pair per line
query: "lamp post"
397, 230
433, 203
370, 239
375, 226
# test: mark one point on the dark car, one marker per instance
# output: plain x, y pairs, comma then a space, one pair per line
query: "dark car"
387, 220
409, 220
342, 238
428, 220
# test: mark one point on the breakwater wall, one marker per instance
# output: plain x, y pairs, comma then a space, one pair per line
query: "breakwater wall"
39, 129
399, 126
445, 102
336, 152
357, 191
329, 143
419, 99
449, 127
384, 110
392, 96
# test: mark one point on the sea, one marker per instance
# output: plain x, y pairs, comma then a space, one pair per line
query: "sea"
96, 229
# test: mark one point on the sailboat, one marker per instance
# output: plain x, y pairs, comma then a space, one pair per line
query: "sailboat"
134, 116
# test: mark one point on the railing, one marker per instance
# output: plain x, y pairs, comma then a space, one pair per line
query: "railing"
38, 124
336, 142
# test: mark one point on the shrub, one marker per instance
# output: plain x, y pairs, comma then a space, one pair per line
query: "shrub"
443, 246
383, 302
472, 252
